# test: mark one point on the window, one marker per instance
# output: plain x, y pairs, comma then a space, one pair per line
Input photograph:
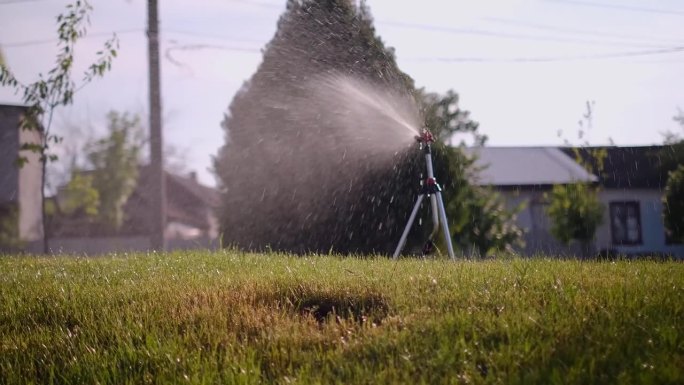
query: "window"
625, 223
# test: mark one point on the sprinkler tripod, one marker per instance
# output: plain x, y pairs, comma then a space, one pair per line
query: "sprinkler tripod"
432, 190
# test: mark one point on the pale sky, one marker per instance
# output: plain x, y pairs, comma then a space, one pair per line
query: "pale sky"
524, 68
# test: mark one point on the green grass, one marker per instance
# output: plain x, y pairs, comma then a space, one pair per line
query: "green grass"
239, 318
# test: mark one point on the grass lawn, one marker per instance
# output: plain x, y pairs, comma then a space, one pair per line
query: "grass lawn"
230, 317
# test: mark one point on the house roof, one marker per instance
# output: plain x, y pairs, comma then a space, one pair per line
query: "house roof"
635, 166
187, 202
189, 183
527, 166
13, 105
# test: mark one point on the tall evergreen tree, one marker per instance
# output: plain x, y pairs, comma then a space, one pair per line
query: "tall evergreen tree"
313, 201
287, 177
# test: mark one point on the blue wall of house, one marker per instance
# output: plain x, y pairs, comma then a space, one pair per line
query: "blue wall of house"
539, 240
652, 227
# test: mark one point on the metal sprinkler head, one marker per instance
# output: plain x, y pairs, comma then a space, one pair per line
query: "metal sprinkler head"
425, 137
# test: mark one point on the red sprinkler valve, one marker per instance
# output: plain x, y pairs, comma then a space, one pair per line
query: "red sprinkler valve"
431, 186
425, 137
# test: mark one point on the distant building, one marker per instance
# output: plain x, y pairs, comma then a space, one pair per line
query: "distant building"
20, 195
190, 221
632, 187
631, 191
523, 175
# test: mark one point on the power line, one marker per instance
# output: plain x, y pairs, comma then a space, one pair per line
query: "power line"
423, 27
199, 46
547, 27
620, 7
53, 40
195, 47
513, 36
17, 1
532, 59
488, 33
211, 36
548, 59
471, 31
135, 30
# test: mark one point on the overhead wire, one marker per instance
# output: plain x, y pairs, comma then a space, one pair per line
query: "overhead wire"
197, 46
194, 47
3, 2
467, 31
87, 36
620, 7
508, 35
653, 49
546, 59
595, 33
211, 36
128, 31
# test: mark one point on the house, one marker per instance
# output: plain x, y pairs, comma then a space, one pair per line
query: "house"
632, 185
631, 189
190, 221
523, 175
20, 187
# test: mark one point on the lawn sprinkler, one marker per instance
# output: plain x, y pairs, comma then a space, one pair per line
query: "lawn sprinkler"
431, 189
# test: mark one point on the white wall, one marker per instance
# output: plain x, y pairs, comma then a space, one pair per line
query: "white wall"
30, 198
536, 225
652, 226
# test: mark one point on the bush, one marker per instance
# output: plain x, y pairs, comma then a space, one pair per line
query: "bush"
575, 211
673, 200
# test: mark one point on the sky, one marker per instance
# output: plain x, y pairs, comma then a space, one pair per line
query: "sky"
524, 68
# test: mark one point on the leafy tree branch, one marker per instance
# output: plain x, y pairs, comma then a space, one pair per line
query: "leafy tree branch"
56, 88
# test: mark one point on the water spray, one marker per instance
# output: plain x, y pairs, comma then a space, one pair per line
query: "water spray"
431, 189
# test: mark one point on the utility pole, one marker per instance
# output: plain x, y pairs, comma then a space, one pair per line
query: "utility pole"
156, 183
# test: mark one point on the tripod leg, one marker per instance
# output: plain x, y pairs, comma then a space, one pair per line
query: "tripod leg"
445, 225
435, 216
434, 207
412, 217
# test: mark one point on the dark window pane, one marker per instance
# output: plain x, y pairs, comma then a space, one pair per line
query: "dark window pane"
625, 223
